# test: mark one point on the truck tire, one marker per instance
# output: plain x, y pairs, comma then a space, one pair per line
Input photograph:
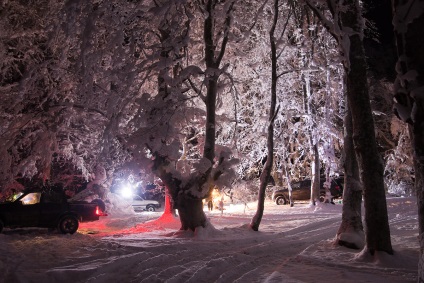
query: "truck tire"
280, 200
68, 224
100, 204
150, 208
1, 225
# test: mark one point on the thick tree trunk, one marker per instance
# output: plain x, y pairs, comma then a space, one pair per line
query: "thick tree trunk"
371, 166
377, 232
419, 187
352, 192
347, 28
209, 147
409, 94
191, 212
171, 190
190, 207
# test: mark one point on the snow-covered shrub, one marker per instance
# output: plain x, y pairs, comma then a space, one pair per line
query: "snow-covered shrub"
399, 169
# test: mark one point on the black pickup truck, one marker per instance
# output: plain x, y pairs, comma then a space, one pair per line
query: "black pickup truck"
46, 209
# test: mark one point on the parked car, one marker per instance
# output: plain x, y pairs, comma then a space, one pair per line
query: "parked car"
153, 192
46, 209
302, 191
141, 204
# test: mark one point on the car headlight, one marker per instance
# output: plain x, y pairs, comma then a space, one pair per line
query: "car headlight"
126, 192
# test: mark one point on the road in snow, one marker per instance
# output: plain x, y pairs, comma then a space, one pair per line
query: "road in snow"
293, 245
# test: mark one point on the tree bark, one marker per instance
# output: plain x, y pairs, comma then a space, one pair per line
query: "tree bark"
409, 94
190, 206
191, 212
163, 92
315, 181
213, 59
377, 232
352, 191
310, 110
256, 220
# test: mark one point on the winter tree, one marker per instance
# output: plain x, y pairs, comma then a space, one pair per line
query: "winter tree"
408, 20
74, 99
351, 231
266, 172
176, 104
344, 22
293, 126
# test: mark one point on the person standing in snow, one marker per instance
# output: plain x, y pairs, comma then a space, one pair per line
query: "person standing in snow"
210, 204
221, 205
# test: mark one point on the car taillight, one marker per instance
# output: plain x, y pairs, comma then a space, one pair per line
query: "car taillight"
99, 212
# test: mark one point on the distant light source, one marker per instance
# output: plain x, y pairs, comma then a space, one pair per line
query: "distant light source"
127, 192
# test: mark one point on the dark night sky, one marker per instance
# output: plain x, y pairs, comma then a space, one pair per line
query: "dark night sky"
380, 12
381, 55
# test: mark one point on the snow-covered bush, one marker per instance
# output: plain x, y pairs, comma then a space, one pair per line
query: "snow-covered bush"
399, 169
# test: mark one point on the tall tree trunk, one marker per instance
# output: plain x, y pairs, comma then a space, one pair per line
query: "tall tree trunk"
377, 232
315, 181
209, 147
256, 220
409, 94
352, 192
417, 140
208, 36
315, 164
288, 179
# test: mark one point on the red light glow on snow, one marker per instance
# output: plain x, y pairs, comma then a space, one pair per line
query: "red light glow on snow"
104, 226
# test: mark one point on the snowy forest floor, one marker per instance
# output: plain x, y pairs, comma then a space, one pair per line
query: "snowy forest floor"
294, 244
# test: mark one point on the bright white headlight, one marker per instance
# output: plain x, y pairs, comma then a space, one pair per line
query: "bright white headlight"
127, 192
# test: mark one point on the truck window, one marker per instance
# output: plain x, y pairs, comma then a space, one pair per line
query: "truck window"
31, 198
11, 198
16, 196
295, 185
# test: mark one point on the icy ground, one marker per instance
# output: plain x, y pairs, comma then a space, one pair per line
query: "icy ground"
293, 245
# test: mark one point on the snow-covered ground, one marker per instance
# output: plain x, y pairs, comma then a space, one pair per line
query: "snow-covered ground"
293, 245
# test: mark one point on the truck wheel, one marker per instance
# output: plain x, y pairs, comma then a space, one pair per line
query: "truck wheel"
68, 224
1, 225
280, 200
150, 208
100, 204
